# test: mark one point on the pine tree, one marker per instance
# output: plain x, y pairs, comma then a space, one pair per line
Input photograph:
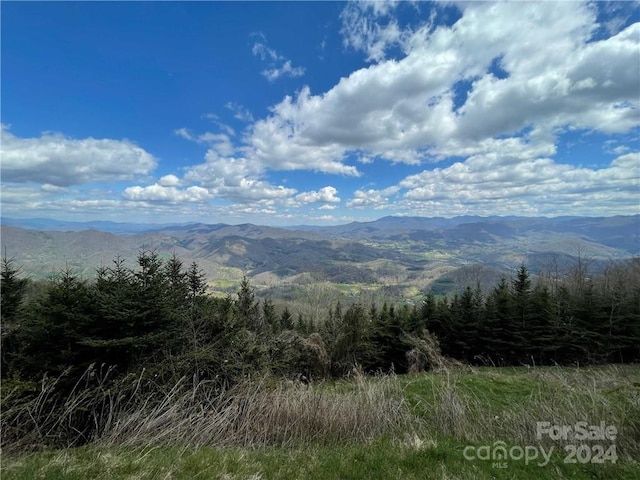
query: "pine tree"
354, 343
269, 314
388, 348
521, 315
112, 334
247, 308
286, 319
541, 325
465, 324
51, 331
12, 292
496, 332
177, 282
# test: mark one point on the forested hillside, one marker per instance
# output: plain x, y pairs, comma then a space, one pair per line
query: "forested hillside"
71, 347
159, 315
397, 257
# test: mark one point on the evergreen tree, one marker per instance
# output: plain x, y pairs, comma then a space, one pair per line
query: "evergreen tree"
496, 332
354, 346
112, 334
541, 326
12, 290
286, 319
465, 324
387, 342
521, 315
176, 278
139, 315
12, 293
49, 337
247, 311
621, 305
428, 309
269, 314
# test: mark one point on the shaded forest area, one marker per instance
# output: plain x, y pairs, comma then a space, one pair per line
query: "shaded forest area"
159, 316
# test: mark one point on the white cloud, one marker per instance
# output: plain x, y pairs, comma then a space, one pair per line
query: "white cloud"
409, 109
61, 161
276, 141
16, 197
220, 142
163, 193
431, 92
279, 66
153, 203
324, 195
327, 206
285, 69
566, 86
218, 170
169, 181
239, 112
259, 49
487, 184
213, 118
362, 30
376, 199
234, 178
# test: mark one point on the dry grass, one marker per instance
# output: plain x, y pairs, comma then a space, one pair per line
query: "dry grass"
257, 412
260, 412
463, 404
413, 426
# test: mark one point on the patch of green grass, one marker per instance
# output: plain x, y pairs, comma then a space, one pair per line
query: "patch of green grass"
455, 409
411, 458
494, 390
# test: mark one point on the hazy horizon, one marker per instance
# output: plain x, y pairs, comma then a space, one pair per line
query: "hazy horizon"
149, 221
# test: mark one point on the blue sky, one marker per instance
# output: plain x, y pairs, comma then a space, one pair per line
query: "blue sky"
287, 113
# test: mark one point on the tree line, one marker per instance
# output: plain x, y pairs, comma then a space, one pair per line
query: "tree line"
157, 315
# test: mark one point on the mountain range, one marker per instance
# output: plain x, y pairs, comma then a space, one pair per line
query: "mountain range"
402, 256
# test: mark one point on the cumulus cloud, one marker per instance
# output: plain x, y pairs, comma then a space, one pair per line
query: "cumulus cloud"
234, 178
327, 206
82, 203
486, 184
376, 199
163, 193
443, 94
489, 95
61, 161
169, 181
276, 143
324, 195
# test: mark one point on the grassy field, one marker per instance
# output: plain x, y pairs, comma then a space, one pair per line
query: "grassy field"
427, 426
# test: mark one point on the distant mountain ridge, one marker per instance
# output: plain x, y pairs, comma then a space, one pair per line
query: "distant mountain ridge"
410, 253
47, 224
384, 223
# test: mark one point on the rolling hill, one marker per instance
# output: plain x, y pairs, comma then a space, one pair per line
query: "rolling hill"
412, 254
